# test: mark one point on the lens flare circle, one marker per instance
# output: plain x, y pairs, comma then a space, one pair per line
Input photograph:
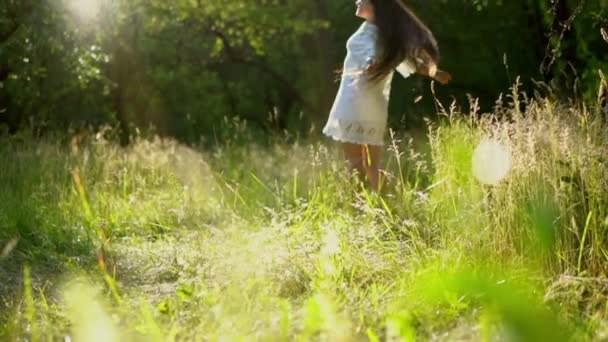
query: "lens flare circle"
491, 162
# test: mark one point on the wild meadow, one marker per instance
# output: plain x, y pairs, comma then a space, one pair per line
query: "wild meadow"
489, 227
163, 176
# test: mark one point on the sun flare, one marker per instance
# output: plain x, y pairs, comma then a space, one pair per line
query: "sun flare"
86, 9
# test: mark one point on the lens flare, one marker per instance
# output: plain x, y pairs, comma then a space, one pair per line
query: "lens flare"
491, 162
86, 9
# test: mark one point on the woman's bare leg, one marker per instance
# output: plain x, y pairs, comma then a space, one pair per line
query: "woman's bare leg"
354, 159
371, 162
365, 159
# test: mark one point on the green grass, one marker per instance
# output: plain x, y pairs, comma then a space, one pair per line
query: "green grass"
160, 241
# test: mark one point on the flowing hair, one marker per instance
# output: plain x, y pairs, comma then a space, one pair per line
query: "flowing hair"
401, 36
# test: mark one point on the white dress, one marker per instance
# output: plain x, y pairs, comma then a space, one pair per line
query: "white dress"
360, 111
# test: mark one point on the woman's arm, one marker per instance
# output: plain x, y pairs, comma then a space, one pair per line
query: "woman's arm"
427, 67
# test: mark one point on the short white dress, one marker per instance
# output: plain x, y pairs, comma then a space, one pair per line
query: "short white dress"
360, 111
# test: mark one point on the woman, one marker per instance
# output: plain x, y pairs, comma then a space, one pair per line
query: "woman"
391, 37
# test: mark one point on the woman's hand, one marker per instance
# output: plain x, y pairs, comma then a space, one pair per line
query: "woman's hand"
442, 77
426, 66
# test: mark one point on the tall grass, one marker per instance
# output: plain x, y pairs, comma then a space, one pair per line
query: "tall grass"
277, 242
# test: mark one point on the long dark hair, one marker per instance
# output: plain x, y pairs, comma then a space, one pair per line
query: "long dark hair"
402, 36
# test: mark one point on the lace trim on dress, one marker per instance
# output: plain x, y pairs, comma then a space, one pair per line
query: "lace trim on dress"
356, 132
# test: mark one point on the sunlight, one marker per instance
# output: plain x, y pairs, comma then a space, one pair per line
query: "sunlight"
491, 162
86, 9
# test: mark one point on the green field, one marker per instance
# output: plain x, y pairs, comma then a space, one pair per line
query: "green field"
272, 241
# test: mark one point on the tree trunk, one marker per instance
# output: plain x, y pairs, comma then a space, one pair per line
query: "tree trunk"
563, 40
118, 70
538, 29
562, 23
326, 53
3, 96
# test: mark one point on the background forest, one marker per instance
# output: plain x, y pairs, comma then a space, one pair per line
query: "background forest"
183, 66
